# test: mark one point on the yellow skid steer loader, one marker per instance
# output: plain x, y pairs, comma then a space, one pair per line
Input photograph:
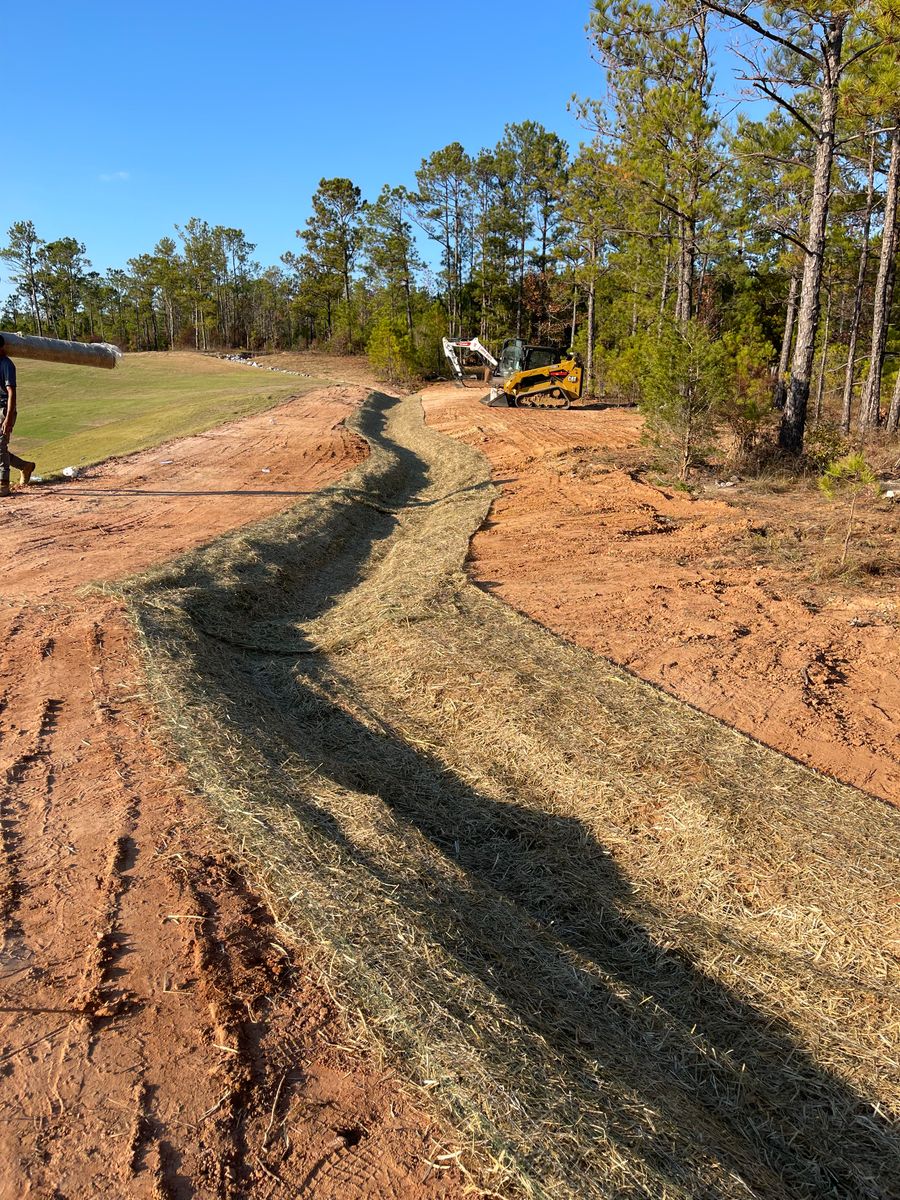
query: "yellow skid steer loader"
535, 376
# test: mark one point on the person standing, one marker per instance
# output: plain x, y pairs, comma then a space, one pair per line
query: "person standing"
7, 423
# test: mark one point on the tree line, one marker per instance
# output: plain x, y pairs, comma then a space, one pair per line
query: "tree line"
749, 249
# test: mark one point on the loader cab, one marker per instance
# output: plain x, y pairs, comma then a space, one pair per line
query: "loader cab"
517, 355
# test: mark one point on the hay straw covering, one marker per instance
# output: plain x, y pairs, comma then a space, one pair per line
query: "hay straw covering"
628, 951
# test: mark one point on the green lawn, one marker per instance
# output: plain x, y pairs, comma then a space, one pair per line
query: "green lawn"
72, 416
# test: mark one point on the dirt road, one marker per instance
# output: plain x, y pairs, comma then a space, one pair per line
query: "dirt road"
666, 586
157, 1040
126, 514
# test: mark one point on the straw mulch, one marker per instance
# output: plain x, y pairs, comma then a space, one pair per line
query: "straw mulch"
626, 951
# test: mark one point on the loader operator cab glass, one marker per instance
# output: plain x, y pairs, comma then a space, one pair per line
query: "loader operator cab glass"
511, 357
516, 355
540, 356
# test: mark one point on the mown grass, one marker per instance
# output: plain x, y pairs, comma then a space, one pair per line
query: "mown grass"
626, 951
72, 416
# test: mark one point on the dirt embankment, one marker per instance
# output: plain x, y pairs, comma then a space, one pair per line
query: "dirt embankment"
157, 1038
678, 590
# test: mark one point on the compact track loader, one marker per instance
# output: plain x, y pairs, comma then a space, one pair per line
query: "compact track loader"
536, 377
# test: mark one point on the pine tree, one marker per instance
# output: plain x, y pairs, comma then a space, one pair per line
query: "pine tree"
333, 239
21, 254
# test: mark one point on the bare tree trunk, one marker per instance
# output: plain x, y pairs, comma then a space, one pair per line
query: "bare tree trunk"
823, 360
408, 301
701, 284
870, 400
850, 374
592, 287
686, 449
664, 294
849, 528
793, 420
683, 299
790, 320
521, 289
574, 314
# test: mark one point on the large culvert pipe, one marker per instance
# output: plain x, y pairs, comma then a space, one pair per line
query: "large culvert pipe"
78, 354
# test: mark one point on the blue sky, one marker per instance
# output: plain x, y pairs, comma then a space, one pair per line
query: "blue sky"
122, 120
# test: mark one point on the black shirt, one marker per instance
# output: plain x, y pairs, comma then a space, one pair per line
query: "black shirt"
7, 380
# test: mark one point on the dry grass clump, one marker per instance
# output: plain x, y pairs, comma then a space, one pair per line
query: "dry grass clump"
628, 952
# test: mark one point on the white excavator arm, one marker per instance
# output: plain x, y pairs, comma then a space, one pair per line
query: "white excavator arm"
473, 346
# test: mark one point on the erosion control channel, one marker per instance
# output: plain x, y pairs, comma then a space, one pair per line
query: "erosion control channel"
626, 950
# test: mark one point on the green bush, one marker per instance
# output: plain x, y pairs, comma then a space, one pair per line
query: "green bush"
825, 444
850, 474
745, 406
429, 327
391, 353
621, 370
683, 379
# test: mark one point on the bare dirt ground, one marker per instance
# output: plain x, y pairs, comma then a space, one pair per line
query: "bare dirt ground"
157, 1040
121, 516
716, 602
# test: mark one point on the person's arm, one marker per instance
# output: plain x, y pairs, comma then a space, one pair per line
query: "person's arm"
10, 420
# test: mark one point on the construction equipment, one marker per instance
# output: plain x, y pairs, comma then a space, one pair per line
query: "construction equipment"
459, 350
523, 376
535, 376
79, 354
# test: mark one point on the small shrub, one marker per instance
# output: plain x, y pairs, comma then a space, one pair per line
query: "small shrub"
682, 376
391, 353
621, 371
850, 474
746, 404
825, 445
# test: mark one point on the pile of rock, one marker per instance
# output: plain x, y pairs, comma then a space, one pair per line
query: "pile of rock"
246, 361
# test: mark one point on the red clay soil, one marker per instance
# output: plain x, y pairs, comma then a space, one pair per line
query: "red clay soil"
158, 1040
126, 514
674, 589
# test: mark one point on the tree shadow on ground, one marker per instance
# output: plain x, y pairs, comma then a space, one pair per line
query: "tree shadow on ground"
550, 925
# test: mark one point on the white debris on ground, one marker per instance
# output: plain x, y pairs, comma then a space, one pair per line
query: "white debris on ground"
251, 362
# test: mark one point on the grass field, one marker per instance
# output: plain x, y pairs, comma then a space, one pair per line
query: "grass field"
72, 416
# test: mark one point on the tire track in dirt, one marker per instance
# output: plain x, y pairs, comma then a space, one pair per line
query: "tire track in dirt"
630, 951
157, 1040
